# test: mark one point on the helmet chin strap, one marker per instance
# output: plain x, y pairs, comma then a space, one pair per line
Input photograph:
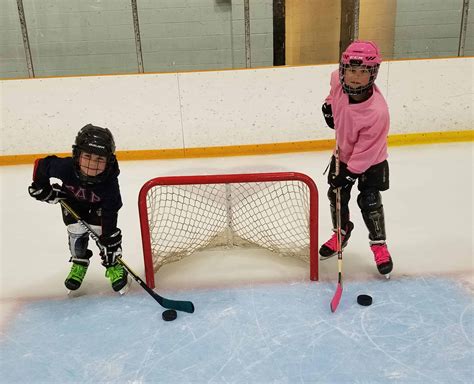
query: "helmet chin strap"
360, 97
359, 91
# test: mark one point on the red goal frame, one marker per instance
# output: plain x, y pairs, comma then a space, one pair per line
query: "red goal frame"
224, 179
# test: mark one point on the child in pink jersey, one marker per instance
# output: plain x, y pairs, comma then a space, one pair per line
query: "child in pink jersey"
356, 109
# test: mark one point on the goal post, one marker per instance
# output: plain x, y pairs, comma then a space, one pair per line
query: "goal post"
180, 215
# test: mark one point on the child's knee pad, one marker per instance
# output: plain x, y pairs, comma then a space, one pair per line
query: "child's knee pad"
78, 240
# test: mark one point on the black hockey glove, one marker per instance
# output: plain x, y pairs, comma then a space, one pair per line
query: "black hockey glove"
345, 179
50, 193
327, 113
113, 248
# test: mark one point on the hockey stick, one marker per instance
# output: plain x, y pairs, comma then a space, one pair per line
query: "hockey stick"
338, 294
178, 305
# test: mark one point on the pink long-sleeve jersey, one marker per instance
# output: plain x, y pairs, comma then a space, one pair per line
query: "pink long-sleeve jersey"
361, 128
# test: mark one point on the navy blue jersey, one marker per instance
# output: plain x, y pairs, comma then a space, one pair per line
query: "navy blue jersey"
104, 195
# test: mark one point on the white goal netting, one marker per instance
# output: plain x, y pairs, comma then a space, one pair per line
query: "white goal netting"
184, 218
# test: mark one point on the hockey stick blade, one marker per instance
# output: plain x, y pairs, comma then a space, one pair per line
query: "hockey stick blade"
337, 297
178, 305
184, 306
338, 294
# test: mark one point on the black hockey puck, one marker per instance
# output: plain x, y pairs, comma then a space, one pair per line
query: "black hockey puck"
169, 315
364, 300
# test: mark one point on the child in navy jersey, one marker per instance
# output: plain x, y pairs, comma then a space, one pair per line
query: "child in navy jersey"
90, 186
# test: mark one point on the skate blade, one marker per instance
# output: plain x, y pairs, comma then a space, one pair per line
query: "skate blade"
73, 293
330, 256
387, 276
125, 289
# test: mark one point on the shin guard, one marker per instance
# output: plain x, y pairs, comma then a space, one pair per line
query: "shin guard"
370, 203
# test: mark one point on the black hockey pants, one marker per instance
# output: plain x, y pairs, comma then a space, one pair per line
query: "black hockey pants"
370, 184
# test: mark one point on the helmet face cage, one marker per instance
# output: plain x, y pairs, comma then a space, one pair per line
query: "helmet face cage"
362, 55
95, 141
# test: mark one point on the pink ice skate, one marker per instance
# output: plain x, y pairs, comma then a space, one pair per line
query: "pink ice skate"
382, 257
329, 248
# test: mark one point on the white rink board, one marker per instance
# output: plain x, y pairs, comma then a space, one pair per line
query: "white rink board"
44, 115
254, 106
431, 95
217, 108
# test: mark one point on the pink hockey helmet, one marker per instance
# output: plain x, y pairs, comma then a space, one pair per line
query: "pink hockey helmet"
360, 53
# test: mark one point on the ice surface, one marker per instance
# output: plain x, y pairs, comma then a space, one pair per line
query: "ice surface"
418, 330
258, 319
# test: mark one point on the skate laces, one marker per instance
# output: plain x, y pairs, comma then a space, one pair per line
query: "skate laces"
77, 272
332, 242
381, 254
114, 273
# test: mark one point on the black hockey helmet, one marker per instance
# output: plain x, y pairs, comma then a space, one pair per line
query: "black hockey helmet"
94, 140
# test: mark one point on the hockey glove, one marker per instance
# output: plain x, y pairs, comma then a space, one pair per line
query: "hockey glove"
345, 179
327, 113
112, 245
51, 194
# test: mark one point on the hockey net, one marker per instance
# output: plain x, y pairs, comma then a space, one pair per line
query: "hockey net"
180, 215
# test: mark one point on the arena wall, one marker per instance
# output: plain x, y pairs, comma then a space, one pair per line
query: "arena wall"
231, 112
